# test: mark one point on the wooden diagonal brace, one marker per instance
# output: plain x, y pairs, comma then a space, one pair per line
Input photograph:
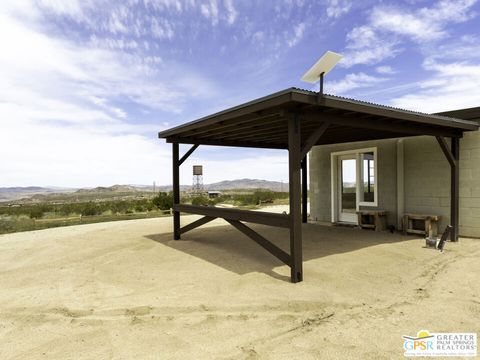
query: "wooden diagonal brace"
260, 240
196, 224
187, 154
256, 217
313, 139
446, 150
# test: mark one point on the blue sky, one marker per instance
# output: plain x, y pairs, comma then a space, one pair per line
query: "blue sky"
86, 85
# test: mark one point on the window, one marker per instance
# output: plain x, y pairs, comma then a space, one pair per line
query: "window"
367, 181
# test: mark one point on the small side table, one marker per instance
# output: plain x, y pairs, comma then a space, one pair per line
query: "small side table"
430, 224
372, 219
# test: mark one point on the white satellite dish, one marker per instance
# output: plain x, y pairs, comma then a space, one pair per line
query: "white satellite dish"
321, 67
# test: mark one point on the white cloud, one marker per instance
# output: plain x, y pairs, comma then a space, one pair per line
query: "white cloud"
297, 35
370, 55
258, 37
72, 8
164, 4
209, 9
116, 22
385, 69
231, 11
424, 24
30, 57
213, 10
366, 46
362, 37
53, 155
465, 48
62, 118
162, 29
336, 8
19, 9
452, 85
388, 27
351, 82
113, 43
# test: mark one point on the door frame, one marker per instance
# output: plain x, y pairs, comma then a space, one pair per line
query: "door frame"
345, 217
334, 166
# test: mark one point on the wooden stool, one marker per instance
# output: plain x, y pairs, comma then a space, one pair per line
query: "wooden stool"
379, 222
430, 228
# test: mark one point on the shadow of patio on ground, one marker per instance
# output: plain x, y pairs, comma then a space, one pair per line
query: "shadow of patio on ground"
222, 244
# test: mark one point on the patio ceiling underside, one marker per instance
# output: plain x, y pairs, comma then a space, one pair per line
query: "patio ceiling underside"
264, 123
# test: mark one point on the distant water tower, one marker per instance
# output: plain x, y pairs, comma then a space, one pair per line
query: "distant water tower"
197, 186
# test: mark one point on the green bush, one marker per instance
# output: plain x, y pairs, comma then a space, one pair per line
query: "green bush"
140, 207
163, 201
258, 196
67, 209
89, 209
200, 200
36, 212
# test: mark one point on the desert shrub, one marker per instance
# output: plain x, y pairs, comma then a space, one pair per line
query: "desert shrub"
200, 200
67, 209
163, 201
140, 208
89, 209
258, 196
36, 212
149, 206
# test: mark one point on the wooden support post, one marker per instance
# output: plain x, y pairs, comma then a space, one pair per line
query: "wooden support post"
304, 190
455, 189
176, 190
294, 160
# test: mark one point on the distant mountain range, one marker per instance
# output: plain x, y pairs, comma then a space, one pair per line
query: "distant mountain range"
114, 188
16, 193
235, 184
248, 184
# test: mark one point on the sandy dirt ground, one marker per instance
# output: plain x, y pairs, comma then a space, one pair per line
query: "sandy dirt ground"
126, 290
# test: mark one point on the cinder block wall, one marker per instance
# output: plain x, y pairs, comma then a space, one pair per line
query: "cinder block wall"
426, 179
470, 184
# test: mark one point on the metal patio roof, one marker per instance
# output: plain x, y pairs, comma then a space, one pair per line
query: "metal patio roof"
262, 122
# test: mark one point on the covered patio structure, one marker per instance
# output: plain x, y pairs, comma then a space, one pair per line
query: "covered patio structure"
295, 120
